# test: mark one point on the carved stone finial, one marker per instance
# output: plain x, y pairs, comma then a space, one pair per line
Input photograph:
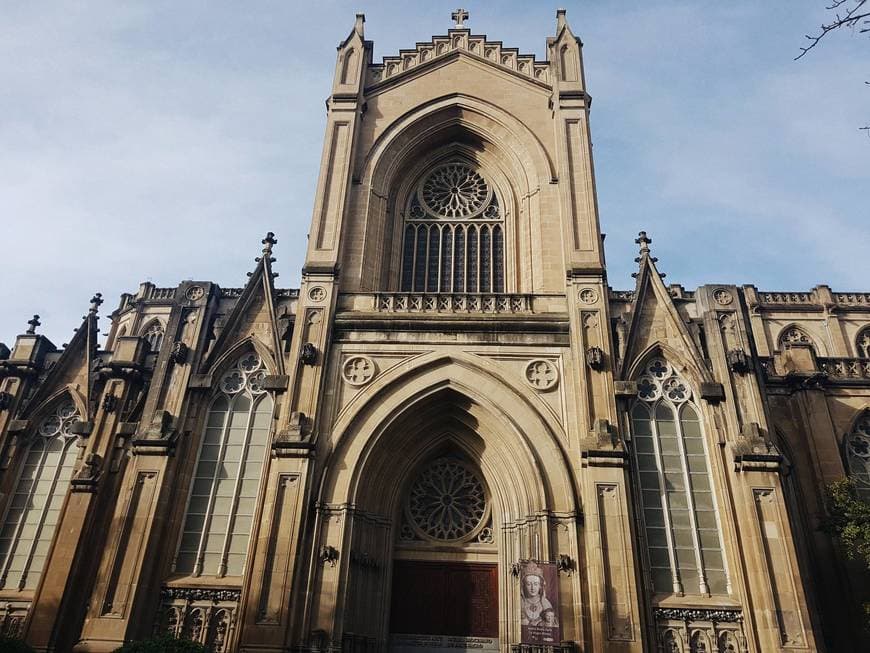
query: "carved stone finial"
644, 241
459, 17
358, 24
96, 300
268, 242
33, 324
560, 18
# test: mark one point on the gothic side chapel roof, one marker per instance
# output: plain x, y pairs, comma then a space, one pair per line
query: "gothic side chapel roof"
460, 39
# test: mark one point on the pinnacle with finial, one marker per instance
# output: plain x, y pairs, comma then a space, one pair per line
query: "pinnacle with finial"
644, 241
96, 300
268, 242
34, 322
459, 17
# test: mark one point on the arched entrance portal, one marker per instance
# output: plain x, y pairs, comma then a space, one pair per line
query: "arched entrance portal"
445, 562
434, 491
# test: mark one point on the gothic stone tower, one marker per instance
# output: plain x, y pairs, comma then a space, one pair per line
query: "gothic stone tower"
454, 435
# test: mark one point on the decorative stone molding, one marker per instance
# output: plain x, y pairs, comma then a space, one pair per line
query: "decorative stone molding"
845, 369
200, 594
722, 297
588, 295
716, 615
712, 392
195, 292
595, 358
541, 374
738, 361
317, 294
452, 303
13, 614
204, 615
358, 370
461, 40
625, 389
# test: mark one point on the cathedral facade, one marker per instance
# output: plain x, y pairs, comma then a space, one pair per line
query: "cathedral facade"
454, 434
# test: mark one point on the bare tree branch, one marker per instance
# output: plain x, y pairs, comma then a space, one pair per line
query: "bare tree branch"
853, 16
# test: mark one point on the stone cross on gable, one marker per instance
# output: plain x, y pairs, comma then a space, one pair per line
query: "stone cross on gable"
459, 16
33, 324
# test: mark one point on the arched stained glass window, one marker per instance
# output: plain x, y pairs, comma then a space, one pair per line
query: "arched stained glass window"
454, 234
34, 510
858, 454
679, 513
220, 512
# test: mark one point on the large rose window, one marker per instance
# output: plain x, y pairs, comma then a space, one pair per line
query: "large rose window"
447, 502
454, 238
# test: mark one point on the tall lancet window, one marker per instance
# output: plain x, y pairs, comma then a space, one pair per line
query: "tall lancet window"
34, 509
676, 490
454, 234
220, 511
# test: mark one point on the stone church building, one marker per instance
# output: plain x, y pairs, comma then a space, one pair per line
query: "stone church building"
454, 434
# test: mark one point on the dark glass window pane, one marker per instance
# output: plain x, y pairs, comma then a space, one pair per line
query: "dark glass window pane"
420, 263
446, 258
498, 259
408, 258
434, 256
485, 259
471, 264
459, 260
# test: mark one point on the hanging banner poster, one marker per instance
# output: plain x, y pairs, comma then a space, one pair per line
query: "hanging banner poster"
539, 603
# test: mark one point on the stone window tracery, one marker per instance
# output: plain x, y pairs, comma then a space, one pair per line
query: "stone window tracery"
220, 511
34, 509
447, 502
675, 485
858, 454
153, 335
793, 336
454, 234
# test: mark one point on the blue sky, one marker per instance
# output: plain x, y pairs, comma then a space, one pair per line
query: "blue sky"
160, 140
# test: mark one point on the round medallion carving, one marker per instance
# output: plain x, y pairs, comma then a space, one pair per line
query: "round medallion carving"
541, 374
588, 295
195, 292
447, 502
358, 370
453, 191
317, 294
722, 296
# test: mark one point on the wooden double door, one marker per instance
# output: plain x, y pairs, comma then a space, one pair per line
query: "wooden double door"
444, 598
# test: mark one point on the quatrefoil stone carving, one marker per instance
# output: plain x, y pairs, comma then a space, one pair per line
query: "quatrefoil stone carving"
541, 374
358, 370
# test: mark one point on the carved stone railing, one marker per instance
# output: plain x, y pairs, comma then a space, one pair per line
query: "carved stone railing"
161, 293
852, 298
13, 614
452, 303
786, 298
845, 368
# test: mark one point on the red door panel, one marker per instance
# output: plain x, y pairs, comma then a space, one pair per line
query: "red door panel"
433, 598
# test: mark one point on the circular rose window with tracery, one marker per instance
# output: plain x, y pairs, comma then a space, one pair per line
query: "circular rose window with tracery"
447, 502
454, 190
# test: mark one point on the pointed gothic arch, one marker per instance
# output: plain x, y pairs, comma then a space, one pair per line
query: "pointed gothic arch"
44, 466
467, 127
794, 334
153, 332
856, 451
413, 417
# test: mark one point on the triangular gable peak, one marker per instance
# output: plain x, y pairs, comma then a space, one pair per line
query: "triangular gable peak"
255, 314
655, 323
460, 41
74, 370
